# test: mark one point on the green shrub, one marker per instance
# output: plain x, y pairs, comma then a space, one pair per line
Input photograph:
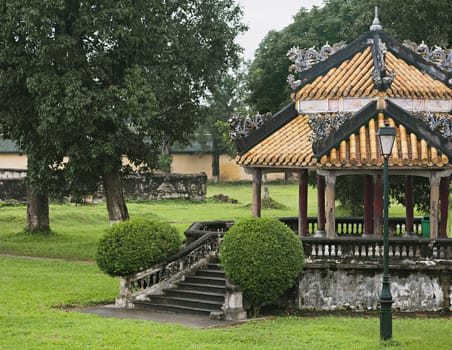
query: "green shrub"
135, 245
263, 256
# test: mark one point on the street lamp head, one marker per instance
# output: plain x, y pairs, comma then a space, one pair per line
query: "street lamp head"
386, 135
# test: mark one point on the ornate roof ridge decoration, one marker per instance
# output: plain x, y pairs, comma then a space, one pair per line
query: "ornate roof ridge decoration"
437, 55
381, 77
323, 124
376, 26
305, 58
242, 125
439, 122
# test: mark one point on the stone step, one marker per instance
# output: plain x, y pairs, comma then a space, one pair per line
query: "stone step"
202, 293
214, 266
217, 281
202, 287
177, 308
211, 273
194, 294
186, 302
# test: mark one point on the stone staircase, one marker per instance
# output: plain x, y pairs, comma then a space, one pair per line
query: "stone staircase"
202, 293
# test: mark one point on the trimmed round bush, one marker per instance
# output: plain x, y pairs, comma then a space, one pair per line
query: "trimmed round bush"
263, 256
133, 246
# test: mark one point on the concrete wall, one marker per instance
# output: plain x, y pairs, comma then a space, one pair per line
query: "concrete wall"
413, 288
183, 163
13, 161
229, 170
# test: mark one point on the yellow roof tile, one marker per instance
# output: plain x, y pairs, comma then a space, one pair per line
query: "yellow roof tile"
290, 147
353, 78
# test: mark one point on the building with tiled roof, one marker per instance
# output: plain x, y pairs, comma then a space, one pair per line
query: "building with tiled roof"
341, 96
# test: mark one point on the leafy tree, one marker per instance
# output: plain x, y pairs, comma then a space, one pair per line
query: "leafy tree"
91, 79
224, 99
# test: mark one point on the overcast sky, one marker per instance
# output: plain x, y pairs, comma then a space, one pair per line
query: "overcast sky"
261, 16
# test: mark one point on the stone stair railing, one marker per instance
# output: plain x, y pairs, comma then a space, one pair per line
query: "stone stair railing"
165, 275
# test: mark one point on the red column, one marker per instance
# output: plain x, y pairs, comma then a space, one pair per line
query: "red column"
320, 204
409, 205
444, 206
378, 205
303, 203
257, 185
368, 204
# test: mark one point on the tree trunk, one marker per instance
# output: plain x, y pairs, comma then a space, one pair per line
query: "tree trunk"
266, 189
215, 167
116, 205
37, 211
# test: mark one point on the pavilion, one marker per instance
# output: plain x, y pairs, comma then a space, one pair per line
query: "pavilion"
341, 96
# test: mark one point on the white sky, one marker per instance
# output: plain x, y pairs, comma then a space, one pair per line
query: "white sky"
261, 16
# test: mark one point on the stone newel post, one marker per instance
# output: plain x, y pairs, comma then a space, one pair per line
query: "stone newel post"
233, 303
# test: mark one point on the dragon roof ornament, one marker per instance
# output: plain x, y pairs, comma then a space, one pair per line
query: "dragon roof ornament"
323, 124
242, 125
437, 55
305, 58
439, 122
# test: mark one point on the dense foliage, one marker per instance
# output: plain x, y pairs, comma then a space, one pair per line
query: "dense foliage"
92, 79
135, 245
263, 256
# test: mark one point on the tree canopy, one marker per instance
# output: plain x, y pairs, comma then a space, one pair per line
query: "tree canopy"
83, 83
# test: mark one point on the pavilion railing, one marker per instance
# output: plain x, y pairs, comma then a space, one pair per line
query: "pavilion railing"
354, 227
355, 247
369, 249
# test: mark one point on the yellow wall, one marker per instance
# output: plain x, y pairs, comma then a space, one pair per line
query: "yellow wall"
13, 161
229, 170
182, 163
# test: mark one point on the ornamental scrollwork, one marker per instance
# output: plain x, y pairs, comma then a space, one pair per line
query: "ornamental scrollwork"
381, 77
303, 59
437, 55
241, 126
439, 122
324, 124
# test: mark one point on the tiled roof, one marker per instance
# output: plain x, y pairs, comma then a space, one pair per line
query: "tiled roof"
362, 149
290, 147
353, 78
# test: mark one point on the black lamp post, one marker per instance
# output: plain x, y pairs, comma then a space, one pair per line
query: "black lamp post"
386, 135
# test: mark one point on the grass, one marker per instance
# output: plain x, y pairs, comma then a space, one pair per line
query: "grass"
77, 229
35, 293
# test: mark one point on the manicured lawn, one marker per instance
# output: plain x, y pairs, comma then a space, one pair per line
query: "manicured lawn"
77, 229
34, 292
